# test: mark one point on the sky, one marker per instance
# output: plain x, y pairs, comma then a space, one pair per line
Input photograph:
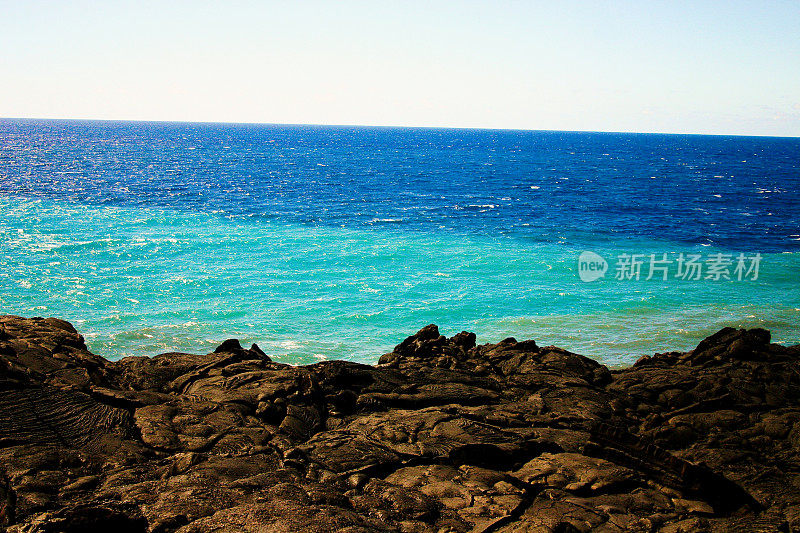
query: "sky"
719, 67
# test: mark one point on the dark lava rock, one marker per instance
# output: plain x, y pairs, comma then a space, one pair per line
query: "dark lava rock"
442, 435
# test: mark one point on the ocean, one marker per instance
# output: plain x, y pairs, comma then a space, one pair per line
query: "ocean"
322, 242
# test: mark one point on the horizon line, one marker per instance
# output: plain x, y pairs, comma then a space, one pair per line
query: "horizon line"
391, 126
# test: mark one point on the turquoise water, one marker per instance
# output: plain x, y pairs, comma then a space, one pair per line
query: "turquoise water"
144, 281
338, 242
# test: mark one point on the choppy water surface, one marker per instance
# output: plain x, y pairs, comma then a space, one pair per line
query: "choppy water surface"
326, 242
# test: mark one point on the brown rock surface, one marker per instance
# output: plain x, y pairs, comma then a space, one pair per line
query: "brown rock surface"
442, 435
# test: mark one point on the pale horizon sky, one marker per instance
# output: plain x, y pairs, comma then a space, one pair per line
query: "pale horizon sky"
673, 66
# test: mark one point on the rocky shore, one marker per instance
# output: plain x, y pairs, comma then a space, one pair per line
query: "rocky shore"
441, 435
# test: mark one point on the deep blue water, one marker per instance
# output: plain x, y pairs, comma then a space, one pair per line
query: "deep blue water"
321, 242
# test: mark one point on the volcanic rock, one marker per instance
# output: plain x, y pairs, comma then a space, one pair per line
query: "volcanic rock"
441, 435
